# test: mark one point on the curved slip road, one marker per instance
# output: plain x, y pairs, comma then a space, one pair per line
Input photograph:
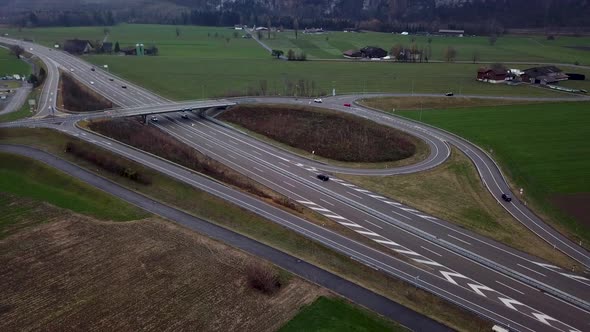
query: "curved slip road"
136, 97
347, 289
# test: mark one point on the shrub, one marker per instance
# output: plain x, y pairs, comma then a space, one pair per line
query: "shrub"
263, 278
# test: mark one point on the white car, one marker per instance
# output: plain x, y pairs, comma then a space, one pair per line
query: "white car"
154, 119
71, 69
92, 82
318, 100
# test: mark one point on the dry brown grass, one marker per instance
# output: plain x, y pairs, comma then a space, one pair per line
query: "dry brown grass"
438, 192
81, 274
76, 97
416, 103
331, 135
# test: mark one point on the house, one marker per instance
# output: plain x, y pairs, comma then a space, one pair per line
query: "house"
352, 30
352, 54
448, 32
543, 75
492, 75
373, 52
313, 31
130, 50
106, 47
78, 46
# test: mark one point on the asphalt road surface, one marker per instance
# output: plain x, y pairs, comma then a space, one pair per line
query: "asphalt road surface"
479, 274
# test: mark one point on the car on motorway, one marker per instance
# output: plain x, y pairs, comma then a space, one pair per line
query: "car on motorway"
124, 86
92, 82
184, 115
318, 100
583, 91
449, 94
347, 104
111, 79
71, 69
323, 177
506, 197
154, 119
92, 69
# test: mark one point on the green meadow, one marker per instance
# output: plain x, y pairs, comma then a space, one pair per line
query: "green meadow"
543, 147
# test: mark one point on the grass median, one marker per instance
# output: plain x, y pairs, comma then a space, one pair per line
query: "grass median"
220, 212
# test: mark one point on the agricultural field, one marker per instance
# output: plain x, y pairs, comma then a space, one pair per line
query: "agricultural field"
9, 64
74, 272
506, 49
210, 62
328, 314
542, 147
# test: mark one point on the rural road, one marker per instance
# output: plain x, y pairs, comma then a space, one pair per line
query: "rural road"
507, 286
347, 289
17, 99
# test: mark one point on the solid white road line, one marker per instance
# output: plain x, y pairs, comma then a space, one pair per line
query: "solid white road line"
289, 184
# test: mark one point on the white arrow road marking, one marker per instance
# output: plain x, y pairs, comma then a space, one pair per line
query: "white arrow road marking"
387, 242
549, 266
544, 318
427, 262
448, 276
478, 288
509, 302
368, 233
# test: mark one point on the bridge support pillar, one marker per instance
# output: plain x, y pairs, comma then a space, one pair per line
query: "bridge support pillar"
144, 118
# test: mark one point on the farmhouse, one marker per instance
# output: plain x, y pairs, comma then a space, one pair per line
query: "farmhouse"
373, 52
448, 32
106, 47
352, 54
543, 75
492, 75
78, 46
313, 31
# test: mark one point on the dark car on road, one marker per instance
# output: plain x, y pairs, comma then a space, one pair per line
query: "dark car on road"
124, 86
323, 177
347, 104
506, 197
449, 94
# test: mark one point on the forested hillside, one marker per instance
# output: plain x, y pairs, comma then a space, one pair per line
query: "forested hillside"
477, 16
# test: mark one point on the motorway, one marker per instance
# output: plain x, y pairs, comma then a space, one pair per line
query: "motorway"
484, 276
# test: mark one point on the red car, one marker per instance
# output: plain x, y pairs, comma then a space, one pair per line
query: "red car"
347, 105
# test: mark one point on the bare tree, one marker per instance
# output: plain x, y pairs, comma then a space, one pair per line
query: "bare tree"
450, 54
177, 32
17, 51
268, 26
475, 56
396, 50
492, 39
295, 26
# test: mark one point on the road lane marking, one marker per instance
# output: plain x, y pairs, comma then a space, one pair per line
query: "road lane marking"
530, 269
335, 216
362, 190
319, 209
348, 185
407, 252
306, 202
323, 200
368, 233
349, 224
355, 195
516, 290
258, 169
289, 184
427, 262
373, 224
386, 242
377, 196
448, 276
401, 215
432, 251
458, 239
283, 164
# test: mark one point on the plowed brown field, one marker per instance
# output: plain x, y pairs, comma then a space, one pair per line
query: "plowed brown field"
77, 273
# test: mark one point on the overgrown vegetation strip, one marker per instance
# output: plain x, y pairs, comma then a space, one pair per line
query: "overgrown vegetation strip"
326, 133
211, 208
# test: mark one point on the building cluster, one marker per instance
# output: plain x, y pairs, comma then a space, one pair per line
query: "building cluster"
537, 75
83, 46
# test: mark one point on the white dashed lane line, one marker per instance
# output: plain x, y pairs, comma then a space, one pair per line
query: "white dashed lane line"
524, 267
373, 224
432, 251
458, 239
516, 290
323, 200
351, 194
